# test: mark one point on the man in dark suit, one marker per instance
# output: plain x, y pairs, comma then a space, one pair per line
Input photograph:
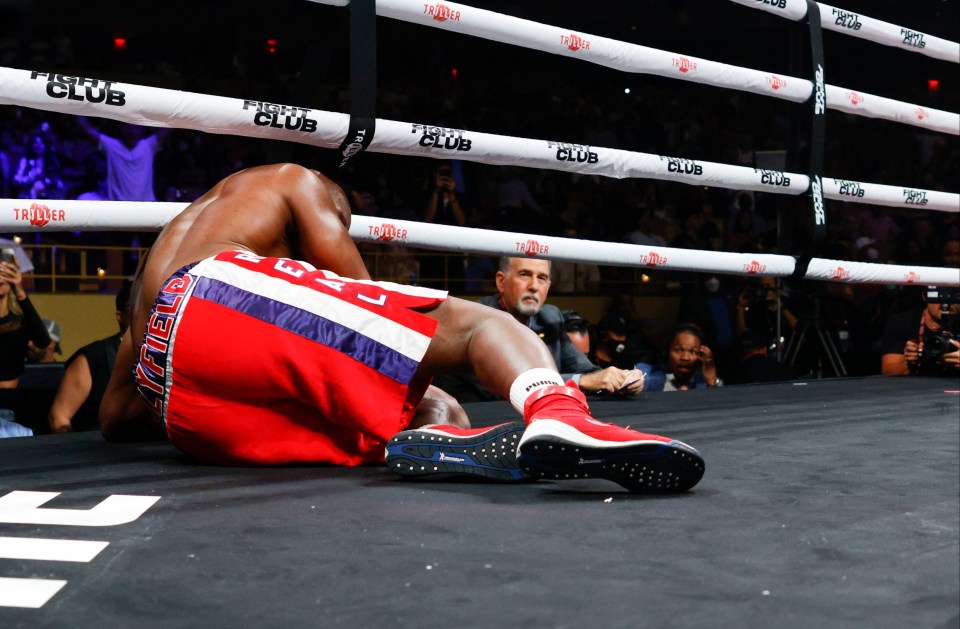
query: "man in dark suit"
522, 287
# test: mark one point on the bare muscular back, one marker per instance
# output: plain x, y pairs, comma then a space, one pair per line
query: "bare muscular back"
280, 210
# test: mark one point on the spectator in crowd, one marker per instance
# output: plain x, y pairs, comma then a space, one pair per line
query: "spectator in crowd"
744, 202
690, 364
24, 262
522, 287
6, 165
922, 243
46, 354
950, 254
10, 428
610, 350
575, 277
640, 339
19, 323
443, 206
86, 375
755, 363
130, 159
691, 235
516, 209
924, 340
478, 273
757, 309
709, 306
578, 330
130, 168
741, 235
38, 172
645, 231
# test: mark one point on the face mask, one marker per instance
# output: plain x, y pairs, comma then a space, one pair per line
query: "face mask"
613, 347
712, 285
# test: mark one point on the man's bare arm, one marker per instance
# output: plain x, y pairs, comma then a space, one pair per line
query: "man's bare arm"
71, 394
123, 416
321, 213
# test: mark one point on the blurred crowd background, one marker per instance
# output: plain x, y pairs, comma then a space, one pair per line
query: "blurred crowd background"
294, 52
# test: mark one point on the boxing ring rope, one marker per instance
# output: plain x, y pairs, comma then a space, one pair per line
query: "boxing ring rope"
101, 215
214, 114
856, 25
160, 107
634, 58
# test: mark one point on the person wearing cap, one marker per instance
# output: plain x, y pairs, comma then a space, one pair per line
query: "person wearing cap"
578, 330
611, 347
85, 377
45, 354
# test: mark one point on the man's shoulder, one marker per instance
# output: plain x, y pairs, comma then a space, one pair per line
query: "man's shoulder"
490, 300
95, 349
549, 314
909, 317
109, 143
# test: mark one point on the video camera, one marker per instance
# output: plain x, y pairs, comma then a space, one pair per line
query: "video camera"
936, 344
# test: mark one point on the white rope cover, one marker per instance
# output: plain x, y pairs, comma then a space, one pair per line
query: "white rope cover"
215, 114
619, 55
864, 27
49, 216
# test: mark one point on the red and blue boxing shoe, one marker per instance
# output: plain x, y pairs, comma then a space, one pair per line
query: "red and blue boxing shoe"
562, 441
438, 449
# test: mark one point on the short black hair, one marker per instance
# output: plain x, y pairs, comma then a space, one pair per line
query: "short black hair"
688, 328
573, 321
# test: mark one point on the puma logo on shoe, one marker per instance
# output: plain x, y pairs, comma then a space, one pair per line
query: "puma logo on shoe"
540, 383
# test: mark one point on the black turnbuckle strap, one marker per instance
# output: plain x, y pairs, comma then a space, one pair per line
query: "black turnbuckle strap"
363, 81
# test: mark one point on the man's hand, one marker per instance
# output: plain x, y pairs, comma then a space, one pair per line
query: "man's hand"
612, 380
953, 358
10, 274
708, 366
911, 351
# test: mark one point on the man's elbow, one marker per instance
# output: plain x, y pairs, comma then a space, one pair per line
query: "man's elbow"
121, 424
894, 365
111, 424
110, 429
125, 430
59, 425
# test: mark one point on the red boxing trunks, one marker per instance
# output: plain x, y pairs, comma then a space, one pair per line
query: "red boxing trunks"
253, 360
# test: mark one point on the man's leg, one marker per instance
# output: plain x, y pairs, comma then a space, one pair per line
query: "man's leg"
489, 342
501, 352
562, 440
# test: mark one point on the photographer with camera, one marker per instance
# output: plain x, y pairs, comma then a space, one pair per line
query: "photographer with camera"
441, 269
757, 309
924, 341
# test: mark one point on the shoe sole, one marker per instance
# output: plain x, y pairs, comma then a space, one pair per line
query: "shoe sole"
491, 455
553, 450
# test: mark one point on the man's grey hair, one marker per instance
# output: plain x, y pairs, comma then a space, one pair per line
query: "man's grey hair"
505, 265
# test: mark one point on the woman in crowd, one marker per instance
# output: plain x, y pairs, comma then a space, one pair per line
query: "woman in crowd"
19, 323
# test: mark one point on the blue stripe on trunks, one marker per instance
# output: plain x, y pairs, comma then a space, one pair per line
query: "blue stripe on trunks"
375, 355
